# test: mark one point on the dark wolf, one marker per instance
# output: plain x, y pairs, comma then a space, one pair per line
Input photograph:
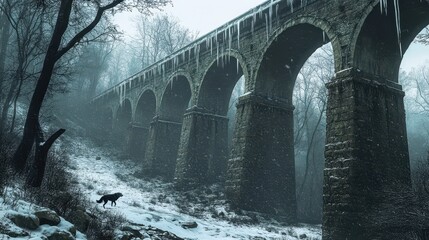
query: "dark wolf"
110, 197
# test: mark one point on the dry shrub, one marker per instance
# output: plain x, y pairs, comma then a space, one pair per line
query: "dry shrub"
104, 226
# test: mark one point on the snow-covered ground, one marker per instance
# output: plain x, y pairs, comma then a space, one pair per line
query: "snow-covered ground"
152, 202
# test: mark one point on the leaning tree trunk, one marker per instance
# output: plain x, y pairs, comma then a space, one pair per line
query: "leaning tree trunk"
37, 170
20, 157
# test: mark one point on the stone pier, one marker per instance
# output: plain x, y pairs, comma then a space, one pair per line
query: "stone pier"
261, 169
366, 154
161, 152
203, 148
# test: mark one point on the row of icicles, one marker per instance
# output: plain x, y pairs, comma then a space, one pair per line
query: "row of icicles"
227, 32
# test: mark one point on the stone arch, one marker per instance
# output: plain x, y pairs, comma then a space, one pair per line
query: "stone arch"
146, 108
165, 130
297, 40
219, 80
321, 24
375, 48
176, 97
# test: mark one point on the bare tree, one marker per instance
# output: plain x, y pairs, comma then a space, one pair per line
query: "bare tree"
158, 37
310, 102
61, 42
26, 22
423, 37
93, 62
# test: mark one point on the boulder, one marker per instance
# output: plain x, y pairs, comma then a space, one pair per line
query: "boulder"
303, 236
10, 231
189, 224
80, 219
72, 230
48, 217
133, 230
59, 235
26, 221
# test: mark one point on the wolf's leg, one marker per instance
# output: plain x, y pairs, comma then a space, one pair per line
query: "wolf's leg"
104, 203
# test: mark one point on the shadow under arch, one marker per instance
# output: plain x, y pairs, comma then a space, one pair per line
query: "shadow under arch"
261, 170
144, 114
165, 129
375, 45
122, 122
219, 80
145, 108
203, 148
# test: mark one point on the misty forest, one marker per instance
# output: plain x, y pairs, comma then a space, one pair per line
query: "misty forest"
294, 120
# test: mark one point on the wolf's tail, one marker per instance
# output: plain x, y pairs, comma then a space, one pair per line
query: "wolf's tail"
99, 201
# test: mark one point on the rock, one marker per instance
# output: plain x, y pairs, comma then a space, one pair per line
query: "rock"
72, 230
14, 232
48, 217
26, 221
303, 236
189, 224
133, 230
80, 219
60, 235
98, 158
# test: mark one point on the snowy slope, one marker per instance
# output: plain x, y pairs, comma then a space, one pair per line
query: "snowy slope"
155, 203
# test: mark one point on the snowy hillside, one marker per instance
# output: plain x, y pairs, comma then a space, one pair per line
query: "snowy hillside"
151, 202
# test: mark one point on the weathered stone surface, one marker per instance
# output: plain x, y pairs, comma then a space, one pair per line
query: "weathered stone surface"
26, 221
161, 153
261, 170
48, 217
203, 149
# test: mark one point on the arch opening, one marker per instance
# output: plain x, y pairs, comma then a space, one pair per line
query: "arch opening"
144, 114
288, 145
215, 100
175, 99
218, 84
145, 110
285, 57
165, 130
377, 50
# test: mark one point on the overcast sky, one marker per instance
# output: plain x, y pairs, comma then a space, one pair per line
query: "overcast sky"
203, 16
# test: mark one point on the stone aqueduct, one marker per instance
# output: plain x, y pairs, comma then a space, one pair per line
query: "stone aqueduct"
174, 112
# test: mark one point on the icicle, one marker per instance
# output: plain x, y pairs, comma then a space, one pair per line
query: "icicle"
383, 6
398, 24
290, 2
217, 55
238, 66
266, 26
277, 11
270, 14
229, 41
211, 45
324, 36
238, 34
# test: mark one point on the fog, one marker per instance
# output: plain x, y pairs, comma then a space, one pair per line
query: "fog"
207, 132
